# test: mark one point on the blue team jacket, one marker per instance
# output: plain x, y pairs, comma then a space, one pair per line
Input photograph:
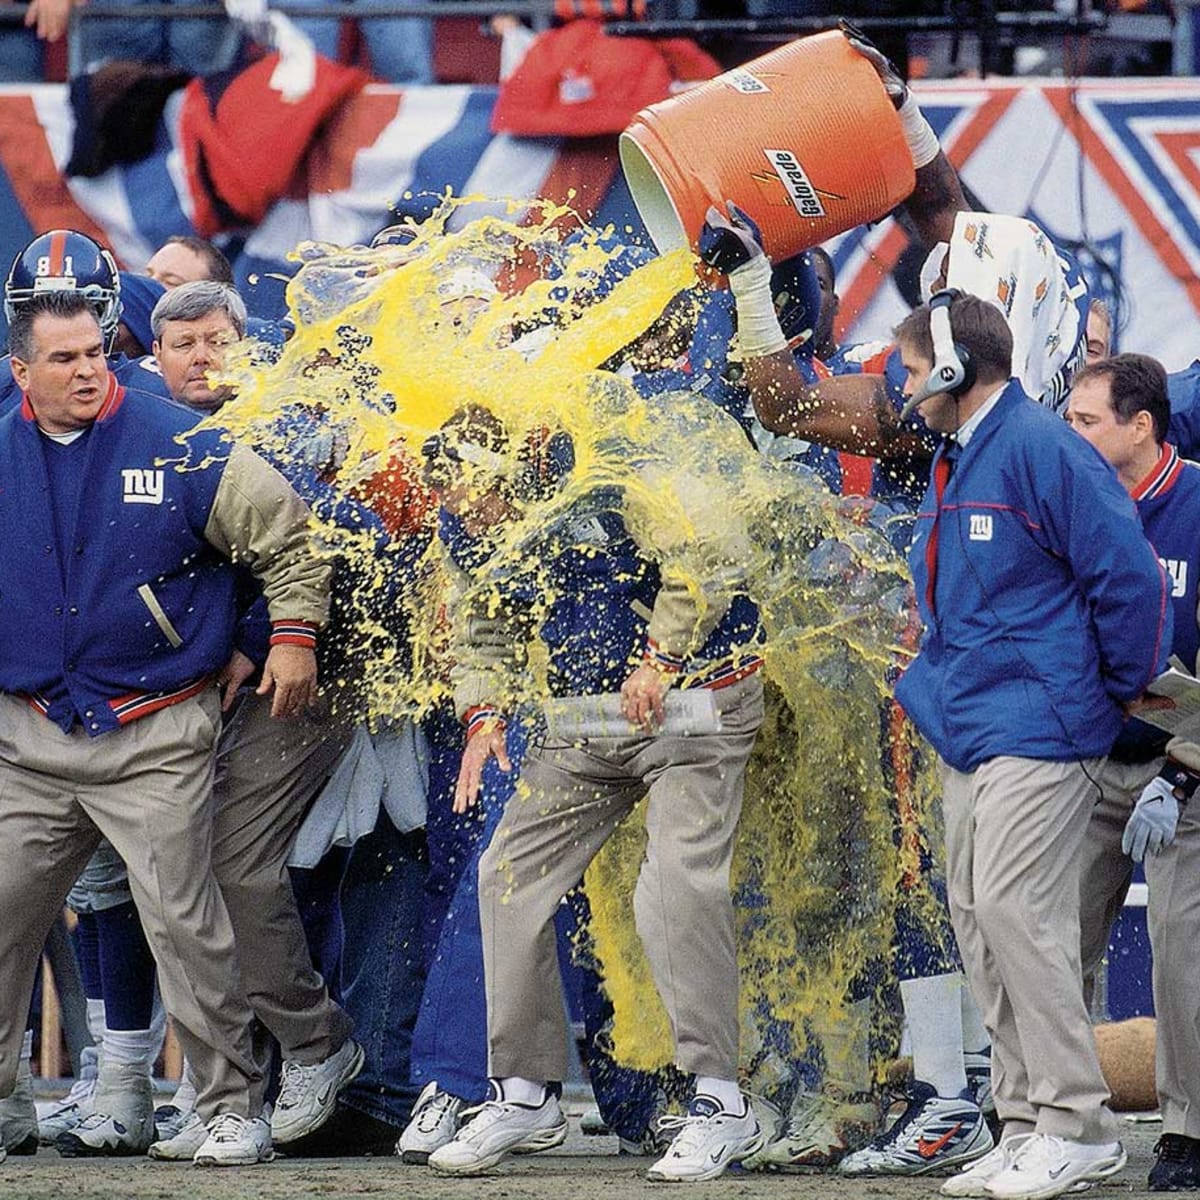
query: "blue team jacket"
76, 637
1044, 605
600, 590
1168, 501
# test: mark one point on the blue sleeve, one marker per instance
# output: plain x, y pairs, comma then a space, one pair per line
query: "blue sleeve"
1183, 390
143, 374
1092, 523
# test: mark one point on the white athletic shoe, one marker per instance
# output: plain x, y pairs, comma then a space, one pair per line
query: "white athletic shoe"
182, 1145
434, 1122
61, 1116
235, 1141
18, 1116
973, 1178
932, 1133
122, 1118
170, 1118
499, 1127
308, 1094
708, 1140
821, 1130
1048, 1166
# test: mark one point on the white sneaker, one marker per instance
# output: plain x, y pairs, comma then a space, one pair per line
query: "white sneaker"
308, 1094
592, 1124
434, 1122
971, 1180
235, 1141
61, 1116
822, 1129
170, 1118
122, 1118
18, 1116
1048, 1166
932, 1133
708, 1141
499, 1127
182, 1145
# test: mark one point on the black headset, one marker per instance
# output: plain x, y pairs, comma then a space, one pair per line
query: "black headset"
953, 369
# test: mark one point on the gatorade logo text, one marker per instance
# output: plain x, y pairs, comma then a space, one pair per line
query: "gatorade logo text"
795, 181
742, 81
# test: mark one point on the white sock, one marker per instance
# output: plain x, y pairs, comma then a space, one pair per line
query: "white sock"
724, 1090
185, 1094
933, 1010
976, 1038
522, 1091
130, 1047
95, 1020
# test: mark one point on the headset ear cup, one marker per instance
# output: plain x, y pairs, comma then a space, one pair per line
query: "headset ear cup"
968, 370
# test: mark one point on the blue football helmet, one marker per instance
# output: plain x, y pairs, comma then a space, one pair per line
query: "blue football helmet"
64, 260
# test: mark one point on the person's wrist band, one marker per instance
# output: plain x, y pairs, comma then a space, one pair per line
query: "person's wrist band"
1183, 782
759, 332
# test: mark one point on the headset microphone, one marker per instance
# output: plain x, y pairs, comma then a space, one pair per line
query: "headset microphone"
953, 371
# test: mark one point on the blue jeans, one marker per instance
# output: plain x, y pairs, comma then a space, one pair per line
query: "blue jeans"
382, 968
199, 47
20, 55
401, 48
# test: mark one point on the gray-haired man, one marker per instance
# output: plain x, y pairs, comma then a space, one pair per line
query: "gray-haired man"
268, 772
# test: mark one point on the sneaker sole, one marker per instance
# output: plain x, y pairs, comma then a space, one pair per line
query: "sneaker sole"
415, 1158
349, 1073
739, 1156
209, 1161
163, 1156
81, 1149
547, 1139
1082, 1184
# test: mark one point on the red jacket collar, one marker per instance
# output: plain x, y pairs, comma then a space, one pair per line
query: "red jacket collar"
112, 401
1161, 476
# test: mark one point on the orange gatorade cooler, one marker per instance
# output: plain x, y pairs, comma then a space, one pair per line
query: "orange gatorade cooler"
804, 139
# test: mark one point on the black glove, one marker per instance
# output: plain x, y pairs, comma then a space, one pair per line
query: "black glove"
727, 243
892, 80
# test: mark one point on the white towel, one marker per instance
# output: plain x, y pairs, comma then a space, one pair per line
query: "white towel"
1015, 265
389, 767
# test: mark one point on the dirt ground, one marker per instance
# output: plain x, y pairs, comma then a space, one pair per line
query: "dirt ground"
587, 1168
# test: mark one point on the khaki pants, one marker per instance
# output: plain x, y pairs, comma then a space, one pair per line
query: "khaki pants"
1173, 877
268, 772
682, 905
148, 789
1014, 831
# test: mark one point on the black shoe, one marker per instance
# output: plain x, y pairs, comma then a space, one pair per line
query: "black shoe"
347, 1134
1176, 1165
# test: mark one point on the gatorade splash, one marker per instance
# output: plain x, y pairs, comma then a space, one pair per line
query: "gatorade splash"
506, 314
